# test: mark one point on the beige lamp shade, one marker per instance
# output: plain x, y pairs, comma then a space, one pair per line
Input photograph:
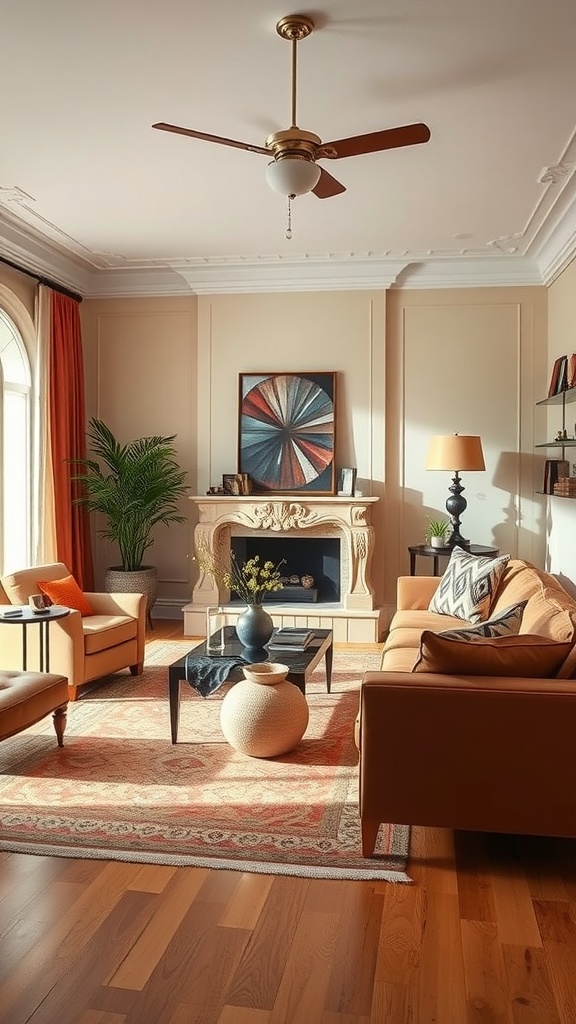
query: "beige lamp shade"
455, 452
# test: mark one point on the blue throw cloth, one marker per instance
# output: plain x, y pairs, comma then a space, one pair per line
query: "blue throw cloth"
206, 674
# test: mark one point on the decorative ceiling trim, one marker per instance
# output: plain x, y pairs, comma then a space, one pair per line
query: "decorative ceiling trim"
550, 251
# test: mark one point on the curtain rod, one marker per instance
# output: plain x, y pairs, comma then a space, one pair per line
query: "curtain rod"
42, 280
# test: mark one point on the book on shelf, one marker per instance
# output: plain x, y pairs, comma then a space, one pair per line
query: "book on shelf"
571, 382
554, 470
559, 376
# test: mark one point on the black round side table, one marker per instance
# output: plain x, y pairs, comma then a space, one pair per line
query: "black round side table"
23, 616
425, 551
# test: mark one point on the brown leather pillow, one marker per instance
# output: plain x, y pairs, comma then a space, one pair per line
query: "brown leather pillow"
525, 655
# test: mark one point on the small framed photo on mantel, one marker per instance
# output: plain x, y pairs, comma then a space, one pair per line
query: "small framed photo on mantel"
347, 483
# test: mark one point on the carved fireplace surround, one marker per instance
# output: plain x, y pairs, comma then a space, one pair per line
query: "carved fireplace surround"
353, 619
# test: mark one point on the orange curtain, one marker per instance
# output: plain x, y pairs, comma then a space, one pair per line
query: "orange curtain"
67, 417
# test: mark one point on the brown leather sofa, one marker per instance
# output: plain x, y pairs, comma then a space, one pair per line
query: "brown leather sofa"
467, 751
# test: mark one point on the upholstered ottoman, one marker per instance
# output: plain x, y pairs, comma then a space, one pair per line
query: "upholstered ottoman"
26, 697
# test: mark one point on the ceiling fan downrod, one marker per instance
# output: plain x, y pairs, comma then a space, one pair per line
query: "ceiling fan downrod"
294, 27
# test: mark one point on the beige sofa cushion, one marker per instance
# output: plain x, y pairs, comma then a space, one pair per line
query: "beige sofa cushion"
104, 631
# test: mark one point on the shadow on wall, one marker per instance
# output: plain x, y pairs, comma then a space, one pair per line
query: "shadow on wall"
514, 473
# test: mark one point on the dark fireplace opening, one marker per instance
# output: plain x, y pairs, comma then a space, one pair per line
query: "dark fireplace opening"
318, 557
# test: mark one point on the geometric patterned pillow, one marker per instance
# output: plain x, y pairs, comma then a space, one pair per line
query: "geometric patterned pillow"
468, 585
506, 623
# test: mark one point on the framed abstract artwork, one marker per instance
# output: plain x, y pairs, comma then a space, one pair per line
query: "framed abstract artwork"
286, 431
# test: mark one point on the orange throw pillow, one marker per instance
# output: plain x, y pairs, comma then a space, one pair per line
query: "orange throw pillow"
66, 592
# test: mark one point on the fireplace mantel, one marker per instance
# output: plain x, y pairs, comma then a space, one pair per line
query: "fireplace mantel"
221, 517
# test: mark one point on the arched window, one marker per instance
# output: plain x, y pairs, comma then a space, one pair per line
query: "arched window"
15, 449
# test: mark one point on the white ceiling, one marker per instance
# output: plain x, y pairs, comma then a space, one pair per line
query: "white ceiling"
91, 194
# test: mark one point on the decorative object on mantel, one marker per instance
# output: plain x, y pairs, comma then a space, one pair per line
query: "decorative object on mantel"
251, 581
454, 452
286, 431
347, 482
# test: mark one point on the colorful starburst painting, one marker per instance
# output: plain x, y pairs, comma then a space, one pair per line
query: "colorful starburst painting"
287, 431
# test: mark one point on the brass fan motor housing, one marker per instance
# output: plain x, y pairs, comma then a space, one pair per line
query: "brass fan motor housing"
294, 142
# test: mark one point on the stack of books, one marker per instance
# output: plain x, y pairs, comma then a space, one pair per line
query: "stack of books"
290, 638
566, 487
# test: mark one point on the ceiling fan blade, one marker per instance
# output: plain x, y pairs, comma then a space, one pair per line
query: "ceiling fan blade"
327, 186
375, 142
210, 138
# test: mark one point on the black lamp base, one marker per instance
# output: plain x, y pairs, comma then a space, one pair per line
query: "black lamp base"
456, 504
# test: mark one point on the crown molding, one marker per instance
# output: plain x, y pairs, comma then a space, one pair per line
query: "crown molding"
549, 253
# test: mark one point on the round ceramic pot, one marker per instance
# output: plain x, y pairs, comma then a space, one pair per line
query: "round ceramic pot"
264, 719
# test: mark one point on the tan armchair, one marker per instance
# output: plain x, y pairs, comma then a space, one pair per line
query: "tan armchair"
81, 648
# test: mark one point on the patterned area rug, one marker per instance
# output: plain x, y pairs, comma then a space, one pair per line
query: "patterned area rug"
120, 790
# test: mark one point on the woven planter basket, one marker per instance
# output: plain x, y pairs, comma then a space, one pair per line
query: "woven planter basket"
141, 581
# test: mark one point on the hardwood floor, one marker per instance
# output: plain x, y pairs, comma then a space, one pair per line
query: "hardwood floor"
487, 933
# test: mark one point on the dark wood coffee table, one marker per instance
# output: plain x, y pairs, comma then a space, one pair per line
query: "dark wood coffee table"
300, 663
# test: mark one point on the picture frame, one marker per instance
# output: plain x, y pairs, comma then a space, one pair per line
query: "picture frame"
236, 483
287, 431
347, 482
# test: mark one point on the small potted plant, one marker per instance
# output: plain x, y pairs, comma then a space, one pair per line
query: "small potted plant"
437, 533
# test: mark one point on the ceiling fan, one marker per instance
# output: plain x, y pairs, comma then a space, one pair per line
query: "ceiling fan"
293, 170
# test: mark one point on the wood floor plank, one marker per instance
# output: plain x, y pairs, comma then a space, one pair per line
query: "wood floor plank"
442, 992
529, 986
236, 1015
342, 1018
194, 970
258, 975
98, 1017
485, 974
247, 901
137, 967
152, 878
68, 935
561, 963
393, 1003
108, 948
400, 938
304, 985
513, 907
475, 894
355, 954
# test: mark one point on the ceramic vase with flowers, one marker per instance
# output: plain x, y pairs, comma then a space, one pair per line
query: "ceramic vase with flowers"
251, 581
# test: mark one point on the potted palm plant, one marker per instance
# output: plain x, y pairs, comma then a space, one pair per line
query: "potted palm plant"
133, 487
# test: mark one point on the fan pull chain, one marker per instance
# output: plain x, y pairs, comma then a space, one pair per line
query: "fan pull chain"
288, 234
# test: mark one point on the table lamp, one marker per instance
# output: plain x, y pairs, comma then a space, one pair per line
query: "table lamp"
456, 452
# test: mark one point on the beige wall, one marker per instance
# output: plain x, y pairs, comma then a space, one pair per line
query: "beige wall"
463, 361
409, 364
561, 512
141, 378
